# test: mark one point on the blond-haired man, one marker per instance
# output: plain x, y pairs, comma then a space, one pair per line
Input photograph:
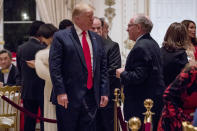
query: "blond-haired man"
78, 69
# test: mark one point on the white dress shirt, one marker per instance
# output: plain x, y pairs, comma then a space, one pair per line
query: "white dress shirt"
5, 75
79, 33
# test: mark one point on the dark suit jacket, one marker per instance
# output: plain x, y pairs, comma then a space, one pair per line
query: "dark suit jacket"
32, 85
142, 77
68, 68
11, 77
113, 62
173, 63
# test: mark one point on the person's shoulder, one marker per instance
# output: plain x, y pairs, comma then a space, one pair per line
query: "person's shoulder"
111, 43
42, 52
147, 42
114, 43
62, 33
23, 45
147, 39
94, 34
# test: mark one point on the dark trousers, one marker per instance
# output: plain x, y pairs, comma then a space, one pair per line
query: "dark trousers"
32, 106
78, 119
157, 109
105, 118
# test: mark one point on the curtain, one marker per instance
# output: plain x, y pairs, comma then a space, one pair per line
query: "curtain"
1, 7
52, 11
1, 4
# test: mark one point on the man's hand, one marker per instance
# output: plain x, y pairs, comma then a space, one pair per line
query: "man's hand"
1, 84
119, 71
31, 63
63, 100
104, 101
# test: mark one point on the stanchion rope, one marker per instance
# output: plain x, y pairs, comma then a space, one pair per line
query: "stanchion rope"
120, 118
28, 112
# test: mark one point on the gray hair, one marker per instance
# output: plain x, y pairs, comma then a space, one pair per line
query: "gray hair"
145, 22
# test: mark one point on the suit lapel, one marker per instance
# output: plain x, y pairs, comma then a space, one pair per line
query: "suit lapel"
77, 45
1, 77
94, 48
10, 75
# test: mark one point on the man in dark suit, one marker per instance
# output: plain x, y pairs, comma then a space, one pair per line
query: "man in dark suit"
32, 85
105, 115
8, 70
142, 77
78, 69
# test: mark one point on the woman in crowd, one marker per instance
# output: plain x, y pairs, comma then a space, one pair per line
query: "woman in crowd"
174, 96
190, 104
174, 60
192, 45
46, 32
173, 51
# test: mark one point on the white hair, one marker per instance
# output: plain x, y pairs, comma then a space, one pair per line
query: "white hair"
144, 21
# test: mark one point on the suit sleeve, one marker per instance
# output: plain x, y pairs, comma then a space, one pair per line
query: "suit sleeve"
104, 73
141, 68
56, 65
18, 71
114, 60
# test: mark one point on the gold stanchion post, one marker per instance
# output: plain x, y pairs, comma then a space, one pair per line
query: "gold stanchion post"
148, 104
116, 104
122, 94
134, 124
187, 126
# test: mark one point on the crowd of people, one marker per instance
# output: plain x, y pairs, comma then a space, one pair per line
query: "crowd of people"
70, 73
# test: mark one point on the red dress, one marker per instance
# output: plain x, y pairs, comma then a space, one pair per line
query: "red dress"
190, 104
175, 97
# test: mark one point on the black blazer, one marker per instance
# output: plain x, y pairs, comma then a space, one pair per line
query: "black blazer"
11, 77
173, 63
142, 77
32, 85
68, 68
113, 62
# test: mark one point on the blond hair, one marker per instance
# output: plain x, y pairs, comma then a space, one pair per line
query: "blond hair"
80, 8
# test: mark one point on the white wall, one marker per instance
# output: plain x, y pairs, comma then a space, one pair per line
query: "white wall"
124, 10
162, 13
165, 12
115, 32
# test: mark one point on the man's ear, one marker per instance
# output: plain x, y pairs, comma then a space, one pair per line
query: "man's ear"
139, 27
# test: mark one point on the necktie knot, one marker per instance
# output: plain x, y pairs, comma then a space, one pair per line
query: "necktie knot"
4, 71
83, 33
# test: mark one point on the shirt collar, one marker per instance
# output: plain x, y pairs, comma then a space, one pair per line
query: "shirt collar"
78, 30
32, 37
139, 38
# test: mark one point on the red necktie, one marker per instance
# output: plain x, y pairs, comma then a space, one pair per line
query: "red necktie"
86, 52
